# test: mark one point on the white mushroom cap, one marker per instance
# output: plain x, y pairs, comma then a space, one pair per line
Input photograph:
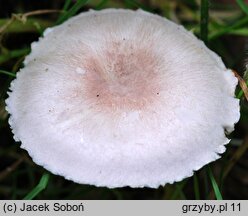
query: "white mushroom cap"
122, 98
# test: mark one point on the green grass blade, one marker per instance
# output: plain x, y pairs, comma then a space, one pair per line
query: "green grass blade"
214, 184
65, 8
196, 187
13, 54
240, 32
206, 183
241, 92
179, 190
134, 3
101, 4
40, 187
72, 11
228, 29
66, 5
7, 73
243, 6
204, 20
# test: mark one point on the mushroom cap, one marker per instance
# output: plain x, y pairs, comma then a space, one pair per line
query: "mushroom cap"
122, 98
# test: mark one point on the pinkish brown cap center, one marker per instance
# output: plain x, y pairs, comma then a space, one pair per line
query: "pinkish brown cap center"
121, 77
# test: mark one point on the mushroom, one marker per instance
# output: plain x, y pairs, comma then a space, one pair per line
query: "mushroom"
122, 98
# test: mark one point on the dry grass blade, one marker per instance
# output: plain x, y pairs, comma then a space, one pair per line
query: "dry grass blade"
7, 24
3, 112
39, 12
242, 84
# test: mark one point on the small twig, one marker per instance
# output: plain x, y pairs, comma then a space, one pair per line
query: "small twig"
10, 169
24, 156
237, 155
23, 17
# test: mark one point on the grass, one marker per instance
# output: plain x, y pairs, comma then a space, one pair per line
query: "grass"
196, 187
209, 26
204, 20
39, 188
7, 73
243, 5
101, 4
69, 12
214, 184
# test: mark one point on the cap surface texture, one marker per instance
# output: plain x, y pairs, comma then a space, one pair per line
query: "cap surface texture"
122, 98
